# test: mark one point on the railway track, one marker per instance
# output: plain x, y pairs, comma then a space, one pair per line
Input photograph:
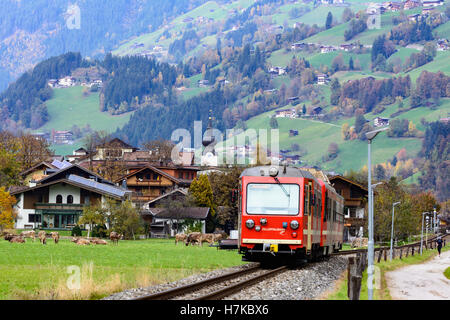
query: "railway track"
217, 287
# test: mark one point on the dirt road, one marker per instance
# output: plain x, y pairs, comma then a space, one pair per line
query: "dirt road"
424, 281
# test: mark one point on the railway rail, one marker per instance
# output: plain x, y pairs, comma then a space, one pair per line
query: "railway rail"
217, 287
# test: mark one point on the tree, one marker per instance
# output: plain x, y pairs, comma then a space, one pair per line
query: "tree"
33, 150
92, 215
160, 150
125, 219
202, 193
329, 21
335, 91
223, 183
273, 123
7, 213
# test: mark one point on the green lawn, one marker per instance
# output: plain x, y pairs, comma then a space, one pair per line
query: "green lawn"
35, 271
69, 107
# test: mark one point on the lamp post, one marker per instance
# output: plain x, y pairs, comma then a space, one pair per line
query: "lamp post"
370, 250
392, 228
434, 220
421, 235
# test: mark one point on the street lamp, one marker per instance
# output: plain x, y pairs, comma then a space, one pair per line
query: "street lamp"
434, 220
370, 250
371, 196
421, 235
392, 228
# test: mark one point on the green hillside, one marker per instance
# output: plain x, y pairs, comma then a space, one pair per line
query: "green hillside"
69, 107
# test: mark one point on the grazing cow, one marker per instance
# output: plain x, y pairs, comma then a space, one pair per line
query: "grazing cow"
74, 239
98, 241
17, 239
207, 237
180, 237
194, 237
55, 236
29, 234
115, 237
83, 242
42, 237
9, 236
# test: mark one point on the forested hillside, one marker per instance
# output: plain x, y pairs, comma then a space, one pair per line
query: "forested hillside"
31, 31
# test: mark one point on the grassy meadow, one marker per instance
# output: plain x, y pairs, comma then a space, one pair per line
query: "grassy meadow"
70, 107
35, 271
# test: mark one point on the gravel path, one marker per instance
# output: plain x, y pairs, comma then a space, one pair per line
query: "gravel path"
424, 281
305, 282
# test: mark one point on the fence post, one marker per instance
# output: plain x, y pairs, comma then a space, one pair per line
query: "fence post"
401, 249
385, 254
412, 251
407, 251
380, 253
351, 261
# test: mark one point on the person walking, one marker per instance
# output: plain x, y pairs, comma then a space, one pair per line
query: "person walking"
439, 245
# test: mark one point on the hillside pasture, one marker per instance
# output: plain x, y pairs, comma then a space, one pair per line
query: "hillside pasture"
70, 107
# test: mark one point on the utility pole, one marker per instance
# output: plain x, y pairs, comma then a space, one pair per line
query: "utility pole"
392, 228
370, 250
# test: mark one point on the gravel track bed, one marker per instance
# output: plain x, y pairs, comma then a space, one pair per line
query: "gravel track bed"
303, 283
218, 286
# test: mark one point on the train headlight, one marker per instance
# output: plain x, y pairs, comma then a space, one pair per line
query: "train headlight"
250, 223
273, 171
294, 224
263, 221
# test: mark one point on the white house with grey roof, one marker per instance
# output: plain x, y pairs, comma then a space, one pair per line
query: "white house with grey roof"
57, 200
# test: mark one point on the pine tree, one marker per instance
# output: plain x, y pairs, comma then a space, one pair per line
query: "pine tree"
329, 21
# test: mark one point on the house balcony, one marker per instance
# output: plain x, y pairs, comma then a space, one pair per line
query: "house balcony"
354, 222
59, 206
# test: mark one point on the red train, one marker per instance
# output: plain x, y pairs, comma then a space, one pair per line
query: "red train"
287, 214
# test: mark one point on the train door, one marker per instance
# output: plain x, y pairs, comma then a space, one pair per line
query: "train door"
308, 213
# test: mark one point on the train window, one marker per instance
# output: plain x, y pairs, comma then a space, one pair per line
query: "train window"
273, 198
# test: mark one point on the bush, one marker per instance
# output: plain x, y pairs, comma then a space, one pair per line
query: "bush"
76, 231
99, 231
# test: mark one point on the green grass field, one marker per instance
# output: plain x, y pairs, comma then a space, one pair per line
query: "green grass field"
69, 107
35, 271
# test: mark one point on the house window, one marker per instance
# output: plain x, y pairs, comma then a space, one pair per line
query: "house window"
69, 199
59, 198
34, 218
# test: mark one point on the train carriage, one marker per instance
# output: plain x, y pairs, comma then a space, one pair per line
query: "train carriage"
286, 213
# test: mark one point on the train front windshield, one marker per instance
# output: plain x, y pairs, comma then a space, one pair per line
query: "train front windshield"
273, 198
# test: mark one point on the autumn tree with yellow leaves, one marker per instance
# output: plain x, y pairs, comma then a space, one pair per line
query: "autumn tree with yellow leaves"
7, 212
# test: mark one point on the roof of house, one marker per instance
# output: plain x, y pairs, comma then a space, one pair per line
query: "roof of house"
64, 173
347, 180
116, 142
178, 190
36, 166
97, 187
164, 174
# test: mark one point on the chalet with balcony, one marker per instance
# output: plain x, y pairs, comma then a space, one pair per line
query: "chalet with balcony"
56, 201
355, 205
149, 182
